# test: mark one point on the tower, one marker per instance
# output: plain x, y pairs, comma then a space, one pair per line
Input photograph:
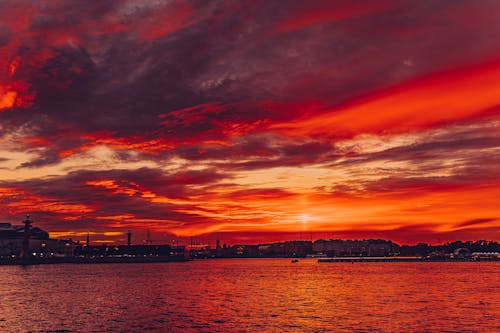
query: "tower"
87, 243
129, 238
26, 236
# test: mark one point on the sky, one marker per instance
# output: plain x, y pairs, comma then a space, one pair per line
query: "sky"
251, 121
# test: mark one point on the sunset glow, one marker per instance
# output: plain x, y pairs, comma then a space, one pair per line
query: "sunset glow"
251, 121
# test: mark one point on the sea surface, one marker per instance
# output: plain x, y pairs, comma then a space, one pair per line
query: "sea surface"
252, 295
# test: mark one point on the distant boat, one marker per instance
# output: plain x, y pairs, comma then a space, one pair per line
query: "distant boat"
295, 260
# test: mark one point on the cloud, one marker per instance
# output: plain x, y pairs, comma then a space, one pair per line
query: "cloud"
474, 222
425, 102
173, 113
327, 13
106, 199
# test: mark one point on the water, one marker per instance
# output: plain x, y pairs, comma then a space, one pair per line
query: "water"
251, 295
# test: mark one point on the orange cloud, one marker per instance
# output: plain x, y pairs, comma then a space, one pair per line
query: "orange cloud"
7, 99
424, 102
16, 201
13, 92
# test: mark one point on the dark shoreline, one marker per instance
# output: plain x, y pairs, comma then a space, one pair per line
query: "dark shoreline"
159, 259
83, 260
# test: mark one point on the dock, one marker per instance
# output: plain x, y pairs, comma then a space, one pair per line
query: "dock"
371, 259
405, 259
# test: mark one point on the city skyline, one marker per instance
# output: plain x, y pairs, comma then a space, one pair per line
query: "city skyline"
252, 121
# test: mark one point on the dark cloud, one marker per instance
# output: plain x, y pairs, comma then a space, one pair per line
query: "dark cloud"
4, 35
46, 159
260, 152
451, 154
291, 155
466, 142
91, 68
259, 194
475, 222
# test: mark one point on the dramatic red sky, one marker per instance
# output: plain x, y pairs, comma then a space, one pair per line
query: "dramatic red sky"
251, 121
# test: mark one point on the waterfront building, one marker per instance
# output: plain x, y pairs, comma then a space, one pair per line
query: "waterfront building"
370, 247
139, 250
14, 242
